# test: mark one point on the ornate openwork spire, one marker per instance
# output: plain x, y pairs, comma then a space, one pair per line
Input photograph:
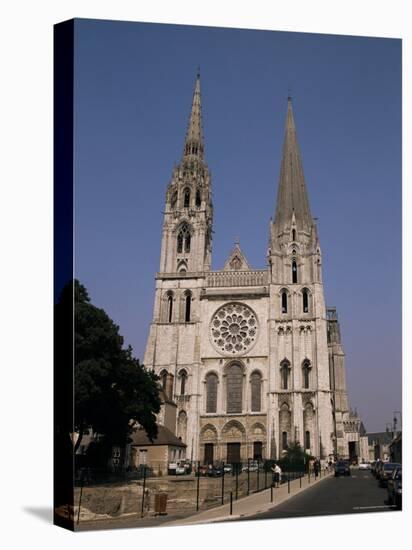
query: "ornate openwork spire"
194, 135
292, 194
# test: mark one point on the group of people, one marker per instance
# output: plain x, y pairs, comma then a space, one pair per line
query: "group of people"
315, 466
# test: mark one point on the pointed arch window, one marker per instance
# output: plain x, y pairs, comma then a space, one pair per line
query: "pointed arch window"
284, 298
186, 198
305, 300
294, 271
234, 383
183, 382
188, 303
183, 239
256, 390
284, 441
307, 439
198, 198
187, 242
169, 308
284, 375
163, 379
293, 234
211, 393
306, 374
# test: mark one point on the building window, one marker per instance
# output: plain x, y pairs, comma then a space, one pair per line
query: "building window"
293, 234
306, 374
284, 302
234, 382
284, 440
256, 389
198, 198
183, 239
163, 379
183, 381
284, 375
188, 301
186, 198
305, 299
180, 242
170, 308
294, 272
211, 393
307, 440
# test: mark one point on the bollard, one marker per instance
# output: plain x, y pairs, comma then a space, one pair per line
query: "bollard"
300, 481
144, 487
223, 482
257, 481
231, 503
266, 477
320, 472
271, 493
288, 484
80, 498
237, 479
198, 486
248, 475
308, 476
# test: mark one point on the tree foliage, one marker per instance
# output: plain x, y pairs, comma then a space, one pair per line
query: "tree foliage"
111, 389
295, 458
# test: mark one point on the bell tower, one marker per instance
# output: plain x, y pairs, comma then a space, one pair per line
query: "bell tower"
300, 379
187, 226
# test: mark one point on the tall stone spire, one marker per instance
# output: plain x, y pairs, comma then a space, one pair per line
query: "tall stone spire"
292, 196
194, 135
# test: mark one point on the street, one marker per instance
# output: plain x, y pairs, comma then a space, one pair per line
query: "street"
337, 495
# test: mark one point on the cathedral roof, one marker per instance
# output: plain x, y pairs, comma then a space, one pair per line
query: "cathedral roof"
236, 260
292, 196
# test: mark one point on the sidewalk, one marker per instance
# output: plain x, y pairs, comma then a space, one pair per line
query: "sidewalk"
253, 504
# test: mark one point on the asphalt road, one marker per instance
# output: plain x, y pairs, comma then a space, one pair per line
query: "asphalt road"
358, 493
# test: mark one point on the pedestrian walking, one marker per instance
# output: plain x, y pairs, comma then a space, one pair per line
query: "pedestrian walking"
316, 468
277, 475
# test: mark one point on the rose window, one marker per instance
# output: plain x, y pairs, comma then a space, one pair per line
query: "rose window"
233, 328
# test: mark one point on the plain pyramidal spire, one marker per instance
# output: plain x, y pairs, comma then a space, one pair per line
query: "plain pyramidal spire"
292, 193
194, 136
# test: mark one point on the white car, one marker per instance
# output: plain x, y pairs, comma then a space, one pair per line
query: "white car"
364, 466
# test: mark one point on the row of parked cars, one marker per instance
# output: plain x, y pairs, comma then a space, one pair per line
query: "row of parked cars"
217, 470
389, 475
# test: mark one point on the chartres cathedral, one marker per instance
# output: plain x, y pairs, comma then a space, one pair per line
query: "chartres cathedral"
252, 358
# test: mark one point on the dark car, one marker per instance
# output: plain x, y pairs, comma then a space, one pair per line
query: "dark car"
395, 488
386, 472
342, 468
216, 471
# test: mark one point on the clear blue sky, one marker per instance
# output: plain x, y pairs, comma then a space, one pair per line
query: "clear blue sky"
134, 85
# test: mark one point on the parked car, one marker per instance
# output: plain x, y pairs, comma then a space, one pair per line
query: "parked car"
364, 466
202, 471
342, 468
228, 469
253, 466
180, 470
386, 472
215, 471
395, 488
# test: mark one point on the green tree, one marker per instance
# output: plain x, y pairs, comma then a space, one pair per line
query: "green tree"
295, 458
111, 389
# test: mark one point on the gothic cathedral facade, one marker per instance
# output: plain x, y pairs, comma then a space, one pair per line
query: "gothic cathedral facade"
251, 357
